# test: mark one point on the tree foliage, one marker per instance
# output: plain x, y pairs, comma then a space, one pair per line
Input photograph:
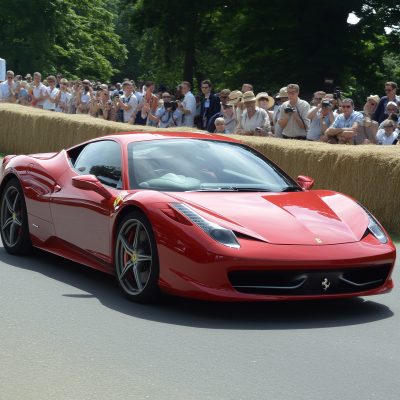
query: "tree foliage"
74, 37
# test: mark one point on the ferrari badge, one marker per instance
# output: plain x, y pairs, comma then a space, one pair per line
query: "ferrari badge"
325, 284
318, 240
117, 201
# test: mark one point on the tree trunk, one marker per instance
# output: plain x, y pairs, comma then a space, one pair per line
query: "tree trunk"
190, 62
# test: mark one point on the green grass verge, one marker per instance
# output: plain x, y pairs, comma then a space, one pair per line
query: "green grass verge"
395, 238
2, 155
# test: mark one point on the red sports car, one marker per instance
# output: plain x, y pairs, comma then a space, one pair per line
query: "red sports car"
194, 215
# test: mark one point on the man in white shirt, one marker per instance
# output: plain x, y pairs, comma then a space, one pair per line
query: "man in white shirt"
127, 104
165, 116
5, 93
38, 90
188, 105
295, 123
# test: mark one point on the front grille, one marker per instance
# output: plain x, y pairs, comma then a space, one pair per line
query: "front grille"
309, 282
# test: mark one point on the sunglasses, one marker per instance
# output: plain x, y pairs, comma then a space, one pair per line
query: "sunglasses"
64, 84
346, 106
388, 90
225, 106
166, 97
372, 103
317, 98
292, 92
224, 97
388, 126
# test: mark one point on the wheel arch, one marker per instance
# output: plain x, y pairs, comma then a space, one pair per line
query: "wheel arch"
8, 178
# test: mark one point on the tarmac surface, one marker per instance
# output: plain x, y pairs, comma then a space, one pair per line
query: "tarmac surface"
66, 332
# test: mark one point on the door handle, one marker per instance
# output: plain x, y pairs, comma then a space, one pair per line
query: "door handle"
57, 188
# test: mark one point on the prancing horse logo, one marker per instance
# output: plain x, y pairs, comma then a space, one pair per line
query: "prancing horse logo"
326, 284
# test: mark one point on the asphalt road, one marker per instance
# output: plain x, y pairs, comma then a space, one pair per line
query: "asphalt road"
66, 332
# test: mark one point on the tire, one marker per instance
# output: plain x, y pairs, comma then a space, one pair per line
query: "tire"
14, 224
136, 259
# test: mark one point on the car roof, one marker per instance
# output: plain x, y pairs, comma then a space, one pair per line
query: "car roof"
128, 137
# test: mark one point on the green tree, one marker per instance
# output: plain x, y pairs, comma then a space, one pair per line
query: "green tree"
76, 38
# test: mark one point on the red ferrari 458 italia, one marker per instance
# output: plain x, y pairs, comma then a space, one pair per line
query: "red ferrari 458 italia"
193, 215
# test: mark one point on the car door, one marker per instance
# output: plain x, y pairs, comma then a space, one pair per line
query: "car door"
82, 217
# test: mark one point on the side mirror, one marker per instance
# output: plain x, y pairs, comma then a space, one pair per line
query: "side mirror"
90, 182
305, 182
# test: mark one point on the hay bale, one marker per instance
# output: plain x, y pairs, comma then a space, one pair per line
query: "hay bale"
366, 173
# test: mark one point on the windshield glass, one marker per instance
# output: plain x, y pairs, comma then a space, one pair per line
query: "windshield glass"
181, 165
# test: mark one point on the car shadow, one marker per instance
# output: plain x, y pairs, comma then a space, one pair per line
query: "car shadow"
202, 314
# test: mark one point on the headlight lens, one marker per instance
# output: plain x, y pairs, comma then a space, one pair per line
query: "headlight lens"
374, 226
218, 233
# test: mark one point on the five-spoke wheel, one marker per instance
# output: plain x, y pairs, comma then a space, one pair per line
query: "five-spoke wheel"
136, 258
14, 220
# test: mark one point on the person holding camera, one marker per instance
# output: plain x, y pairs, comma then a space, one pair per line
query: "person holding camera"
83, 98
126, 105
105, 107
188, 105
166, 116
322, 119
293, 115
346, 125
254, 121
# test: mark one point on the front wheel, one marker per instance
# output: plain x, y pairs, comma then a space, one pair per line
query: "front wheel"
14, 219
136, 259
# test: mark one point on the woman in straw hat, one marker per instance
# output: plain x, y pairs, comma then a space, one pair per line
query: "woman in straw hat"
254, 121
234, 100
266, 102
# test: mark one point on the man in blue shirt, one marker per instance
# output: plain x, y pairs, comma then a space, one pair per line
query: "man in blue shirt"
345, 127
380, 114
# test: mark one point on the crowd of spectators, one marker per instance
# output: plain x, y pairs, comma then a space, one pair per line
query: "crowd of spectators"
328, 118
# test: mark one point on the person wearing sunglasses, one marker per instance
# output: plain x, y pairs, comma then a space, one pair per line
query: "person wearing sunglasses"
222, 113
380, 113
63, 97
346, 125
6, 87
368, 128
388, 134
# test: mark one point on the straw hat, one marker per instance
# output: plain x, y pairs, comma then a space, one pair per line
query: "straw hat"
264, 95
248, 96
63, 80
234, 97
374, 97
28, 76
283, 93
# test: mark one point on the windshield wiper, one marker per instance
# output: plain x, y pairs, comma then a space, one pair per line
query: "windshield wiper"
232, 189
292, 189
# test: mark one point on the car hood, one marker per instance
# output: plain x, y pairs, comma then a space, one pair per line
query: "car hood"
308, 218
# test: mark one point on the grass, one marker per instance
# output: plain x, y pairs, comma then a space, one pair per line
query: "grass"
2, 155
395, 238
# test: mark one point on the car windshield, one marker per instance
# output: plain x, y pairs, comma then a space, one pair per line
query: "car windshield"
181, 165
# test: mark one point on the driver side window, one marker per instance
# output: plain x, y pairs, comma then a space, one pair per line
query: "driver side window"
102, 159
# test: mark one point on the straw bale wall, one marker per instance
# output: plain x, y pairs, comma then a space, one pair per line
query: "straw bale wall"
369, 174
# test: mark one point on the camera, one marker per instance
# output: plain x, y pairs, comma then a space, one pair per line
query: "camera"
116, 96
337, 94
288, 109
86, 88
171, 104
97, 88
257, 129
326, 103
394, 117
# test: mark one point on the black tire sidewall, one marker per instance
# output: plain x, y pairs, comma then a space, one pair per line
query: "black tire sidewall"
151, 291
24, 244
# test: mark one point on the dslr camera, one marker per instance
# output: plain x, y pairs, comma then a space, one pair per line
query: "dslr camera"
288, 109
326, 103
337, 94
171, 104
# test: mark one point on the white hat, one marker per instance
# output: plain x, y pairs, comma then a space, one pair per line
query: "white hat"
283, 93
234, 97
248, 96
264, 95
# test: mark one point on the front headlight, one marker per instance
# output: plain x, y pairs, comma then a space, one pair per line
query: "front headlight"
374, 226
218, 233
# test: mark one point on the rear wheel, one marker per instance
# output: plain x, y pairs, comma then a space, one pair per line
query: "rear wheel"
136, 259
14, 219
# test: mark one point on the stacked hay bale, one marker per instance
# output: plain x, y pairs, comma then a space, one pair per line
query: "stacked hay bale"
366, 173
